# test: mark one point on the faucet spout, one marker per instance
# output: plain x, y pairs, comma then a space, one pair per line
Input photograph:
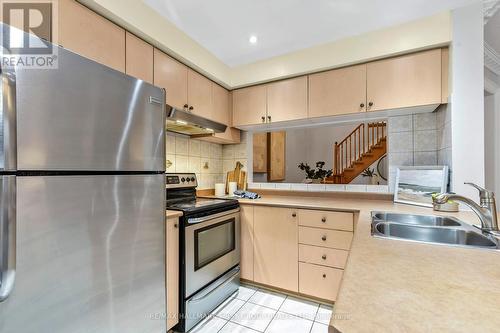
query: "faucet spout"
486, 211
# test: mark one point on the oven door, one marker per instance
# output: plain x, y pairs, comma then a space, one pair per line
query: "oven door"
212, 248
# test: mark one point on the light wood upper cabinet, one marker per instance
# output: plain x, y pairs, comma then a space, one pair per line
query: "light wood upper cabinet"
90, 35
287, 99
249, 105
172, 271
221, 105
276, 247
247, 218
336, 92
199, 94
139, 58
405, 81
173, 77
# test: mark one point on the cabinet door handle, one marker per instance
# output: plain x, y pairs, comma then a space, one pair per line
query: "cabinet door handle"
294, 214
323, 219
362, 105
175, 225
323, 238
324, 276
263, 119
191, 108
370, 104
185, 106
323, 257
269, 118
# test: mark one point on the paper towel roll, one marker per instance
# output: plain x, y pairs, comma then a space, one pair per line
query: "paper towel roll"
220, 189
232, 187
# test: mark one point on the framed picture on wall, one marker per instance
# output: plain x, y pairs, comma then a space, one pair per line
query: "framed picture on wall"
415, 185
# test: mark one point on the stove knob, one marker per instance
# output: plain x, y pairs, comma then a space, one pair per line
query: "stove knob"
193, 179
183, 179
187, 179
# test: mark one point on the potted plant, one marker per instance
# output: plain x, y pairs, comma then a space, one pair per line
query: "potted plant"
374, 179
316, 175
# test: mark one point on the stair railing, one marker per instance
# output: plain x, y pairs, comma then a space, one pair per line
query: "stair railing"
354, 145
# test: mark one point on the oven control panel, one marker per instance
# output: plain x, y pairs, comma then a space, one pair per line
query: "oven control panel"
177, 180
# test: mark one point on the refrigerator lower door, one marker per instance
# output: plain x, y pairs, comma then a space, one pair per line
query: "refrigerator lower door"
90, 255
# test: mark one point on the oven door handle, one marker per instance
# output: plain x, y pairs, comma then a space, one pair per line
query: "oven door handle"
227, 281
197, 220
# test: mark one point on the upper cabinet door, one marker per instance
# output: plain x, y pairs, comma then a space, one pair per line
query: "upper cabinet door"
139, 58
199, 94
221, 109
249, 106
287, 99
90, 35
409, 80
336, 92
173, 77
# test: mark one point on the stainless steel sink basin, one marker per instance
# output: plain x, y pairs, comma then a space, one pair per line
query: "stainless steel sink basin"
423, 220
452, 236
430, 229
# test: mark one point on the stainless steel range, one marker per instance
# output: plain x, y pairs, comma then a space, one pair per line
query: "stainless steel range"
209, 249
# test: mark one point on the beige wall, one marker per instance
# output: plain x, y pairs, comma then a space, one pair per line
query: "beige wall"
140, 19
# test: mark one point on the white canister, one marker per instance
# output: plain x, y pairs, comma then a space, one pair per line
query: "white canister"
232, 187
220, 189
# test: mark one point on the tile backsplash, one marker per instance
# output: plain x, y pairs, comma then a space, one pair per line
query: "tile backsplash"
191, 155
419, 139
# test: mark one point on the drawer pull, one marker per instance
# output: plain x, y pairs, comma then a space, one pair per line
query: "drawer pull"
324, 237
294, 214
324, 276
323, 257
323, 219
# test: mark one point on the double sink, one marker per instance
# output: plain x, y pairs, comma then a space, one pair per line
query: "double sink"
430, 229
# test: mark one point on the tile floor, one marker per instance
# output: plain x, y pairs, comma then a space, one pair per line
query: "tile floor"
252, 310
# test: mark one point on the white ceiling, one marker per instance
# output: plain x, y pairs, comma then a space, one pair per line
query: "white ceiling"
282, 26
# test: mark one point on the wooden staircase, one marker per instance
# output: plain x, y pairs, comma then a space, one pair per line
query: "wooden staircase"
360, 149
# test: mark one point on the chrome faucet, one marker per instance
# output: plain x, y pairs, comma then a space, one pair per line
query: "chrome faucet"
486, 210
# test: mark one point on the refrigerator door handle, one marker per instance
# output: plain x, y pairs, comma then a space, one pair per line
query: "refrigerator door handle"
8, 120
7, 235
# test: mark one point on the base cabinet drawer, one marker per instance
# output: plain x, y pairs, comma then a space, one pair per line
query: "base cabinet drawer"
319, 281
323, 256
326, 219
326, 238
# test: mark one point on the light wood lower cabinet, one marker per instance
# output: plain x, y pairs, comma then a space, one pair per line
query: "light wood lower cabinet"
319, 281
278, 252
275, 247
326, 220
172, 271
333, 239
247, 241
323, 256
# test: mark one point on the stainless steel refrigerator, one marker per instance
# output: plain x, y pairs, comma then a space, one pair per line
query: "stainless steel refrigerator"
82, 200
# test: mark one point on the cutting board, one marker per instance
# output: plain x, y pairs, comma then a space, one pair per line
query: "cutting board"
237, 175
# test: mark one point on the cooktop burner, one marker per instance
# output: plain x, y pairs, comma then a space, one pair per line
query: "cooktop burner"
181, 195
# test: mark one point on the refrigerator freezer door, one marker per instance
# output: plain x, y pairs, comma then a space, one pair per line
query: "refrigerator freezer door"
90, 255
89, 117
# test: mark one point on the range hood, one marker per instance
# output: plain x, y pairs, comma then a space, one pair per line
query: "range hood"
184, 122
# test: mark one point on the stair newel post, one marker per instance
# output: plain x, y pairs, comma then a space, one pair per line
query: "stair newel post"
358, 145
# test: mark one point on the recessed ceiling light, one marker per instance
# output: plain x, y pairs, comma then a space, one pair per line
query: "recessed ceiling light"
253, 39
